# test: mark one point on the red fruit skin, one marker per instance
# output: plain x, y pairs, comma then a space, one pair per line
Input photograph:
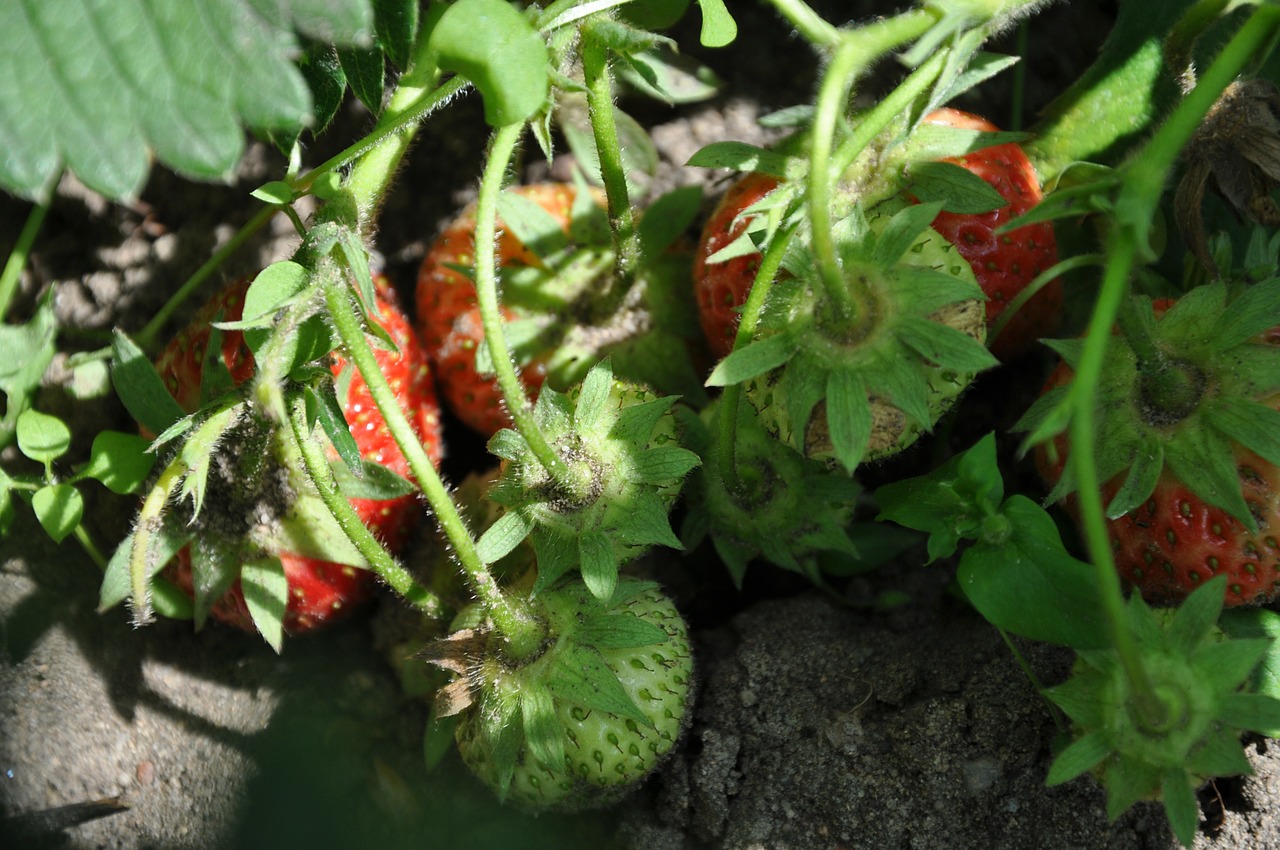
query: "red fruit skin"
449, 319
319, 591
1004, 263
1175, 542
722, 288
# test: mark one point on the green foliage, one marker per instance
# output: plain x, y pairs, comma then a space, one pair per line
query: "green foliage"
97, 86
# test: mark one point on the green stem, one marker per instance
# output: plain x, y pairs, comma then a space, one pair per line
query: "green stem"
811, 26
626, 238
855, 53
18, 257
1135, 208
521, 631
146, 338
411, 115
731, 398
501, 151
90, 548
380, 560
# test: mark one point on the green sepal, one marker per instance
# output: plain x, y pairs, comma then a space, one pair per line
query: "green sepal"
593, 397
636, 422
1180, 807
1254, 426
165, 544
322, 406
647, 523
140, 387
215, 566
1194, 619
266, 595
1228, 664
958, 189
619, 631
1079, 757
541, 726
943, 345
666, 219
59, 508
904, 229
372, 481
848, 417
1255, 311
556, 554
580, 676
899, 379
661, 464
1128, 782
200, 450
501, 538
1202, 458
507, 444
1256, 712
1140, 482
598, 563
803, 385
753, 360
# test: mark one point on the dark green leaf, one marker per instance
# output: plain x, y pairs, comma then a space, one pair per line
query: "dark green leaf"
366, 74
645, 522
635, 423
958, 189
323, 406
328, 84
1202, 459
1030, 586
1081, 756
140, 387
59, 508
1254, 712
1196, 616
42, 437
1179, 795
396, 25
905, 228
556, 553
1263, 623
753, 360
1256, 310
654, 14
1228, 664
495, 47
740, 156
266, 594
665, 75
901, 380
99, 86
581, 677
120, 461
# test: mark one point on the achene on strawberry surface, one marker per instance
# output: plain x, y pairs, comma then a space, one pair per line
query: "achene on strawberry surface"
1192, 487
320, 589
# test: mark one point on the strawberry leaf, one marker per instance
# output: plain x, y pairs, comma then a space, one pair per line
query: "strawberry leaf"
593, 396
497, 48
1256, 310
120, 461
646, 523
266, 594
173, 79
1202, 459
365, 71
943, 345
903, 230
374, 481
619, 631
718, 27
215, 566
322, 406
396, 24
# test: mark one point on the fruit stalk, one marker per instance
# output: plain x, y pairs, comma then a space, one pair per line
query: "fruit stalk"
626, 239
380, 561
811, 26
521, 631
501, 150
1140, 193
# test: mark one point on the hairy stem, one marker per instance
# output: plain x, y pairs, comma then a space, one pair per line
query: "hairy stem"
811, 26
626, 238
1135, 208
150, 518
501, 151
514, 623
380, 560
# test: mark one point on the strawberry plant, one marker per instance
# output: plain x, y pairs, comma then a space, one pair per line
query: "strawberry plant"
860, 286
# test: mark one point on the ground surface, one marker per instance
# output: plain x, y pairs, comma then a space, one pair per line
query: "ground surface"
817, 725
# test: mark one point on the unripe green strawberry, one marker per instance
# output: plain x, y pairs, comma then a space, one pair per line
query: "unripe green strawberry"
888, 372
625, 468
582, 723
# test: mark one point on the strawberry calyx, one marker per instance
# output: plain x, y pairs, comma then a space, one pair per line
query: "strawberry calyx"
625, 471
846, 389
1209, 388
782, 507
1164, 749
582, 721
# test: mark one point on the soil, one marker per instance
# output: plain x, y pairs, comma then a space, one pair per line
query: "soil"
822, 721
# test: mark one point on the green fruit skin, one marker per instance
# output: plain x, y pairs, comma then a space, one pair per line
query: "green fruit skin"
606, 755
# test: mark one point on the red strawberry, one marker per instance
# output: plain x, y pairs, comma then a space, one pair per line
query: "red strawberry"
721, 288
1004, 263
319, 590
1189, 528
556, 267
